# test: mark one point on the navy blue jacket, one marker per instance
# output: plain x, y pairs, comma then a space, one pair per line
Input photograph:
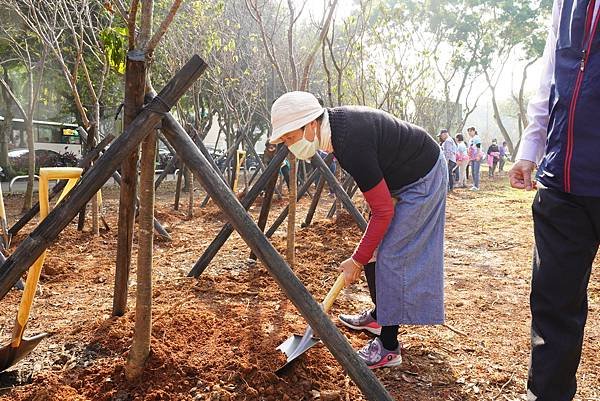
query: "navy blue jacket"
572, 160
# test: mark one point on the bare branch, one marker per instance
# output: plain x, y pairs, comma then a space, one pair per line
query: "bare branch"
131, 23
163, 27
121, 9
311, 56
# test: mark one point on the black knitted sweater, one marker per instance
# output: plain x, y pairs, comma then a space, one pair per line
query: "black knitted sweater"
371, 145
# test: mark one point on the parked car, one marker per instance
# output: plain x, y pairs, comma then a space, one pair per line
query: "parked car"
18, 159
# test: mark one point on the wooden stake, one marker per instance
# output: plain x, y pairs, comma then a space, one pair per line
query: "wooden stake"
293, 193
172, 163
42, 236
336, 203
284, 213
94, 204
339, 192
178, 186
346, 185
314, 202
231, 152
266, 207
210, 252
190, 211
135, 84
160, 230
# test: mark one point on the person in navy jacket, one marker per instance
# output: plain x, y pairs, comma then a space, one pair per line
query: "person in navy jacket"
563, 141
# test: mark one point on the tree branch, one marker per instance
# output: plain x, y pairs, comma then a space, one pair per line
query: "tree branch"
163, 27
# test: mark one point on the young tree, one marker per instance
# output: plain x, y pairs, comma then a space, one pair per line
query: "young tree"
452, 29
341, 51
141, 49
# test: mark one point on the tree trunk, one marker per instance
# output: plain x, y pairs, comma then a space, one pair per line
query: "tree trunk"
140, 348
28, 201
337, 203
497, 116
522, 108
6, 126
135, 85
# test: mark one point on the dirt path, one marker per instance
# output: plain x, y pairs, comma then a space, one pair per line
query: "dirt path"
215, 338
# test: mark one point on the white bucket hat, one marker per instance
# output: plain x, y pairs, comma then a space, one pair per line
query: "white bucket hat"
291, 111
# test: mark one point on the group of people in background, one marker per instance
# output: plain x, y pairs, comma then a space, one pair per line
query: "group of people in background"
462, 156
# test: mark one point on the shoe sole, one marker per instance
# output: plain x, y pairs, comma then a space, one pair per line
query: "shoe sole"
359, 328
394, 362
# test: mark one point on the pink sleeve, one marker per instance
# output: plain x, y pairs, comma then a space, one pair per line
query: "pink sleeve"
382, 212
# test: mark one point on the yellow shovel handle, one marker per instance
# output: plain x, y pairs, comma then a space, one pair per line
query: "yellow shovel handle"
27, 299
72, 174
2, 210
3, 218
333, 292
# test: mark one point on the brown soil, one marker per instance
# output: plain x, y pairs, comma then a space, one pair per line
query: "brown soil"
215, 338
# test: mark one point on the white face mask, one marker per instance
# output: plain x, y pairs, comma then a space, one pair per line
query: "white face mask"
304, 149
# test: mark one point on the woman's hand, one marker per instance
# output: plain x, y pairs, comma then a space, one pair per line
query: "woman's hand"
351, 269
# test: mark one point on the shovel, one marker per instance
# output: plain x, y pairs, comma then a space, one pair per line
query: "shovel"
297, 345
19, 346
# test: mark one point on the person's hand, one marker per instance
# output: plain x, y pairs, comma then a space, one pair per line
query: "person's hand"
351, 269
520, 175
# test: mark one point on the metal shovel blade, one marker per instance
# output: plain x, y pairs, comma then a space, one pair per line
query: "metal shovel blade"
10, 355
295, 346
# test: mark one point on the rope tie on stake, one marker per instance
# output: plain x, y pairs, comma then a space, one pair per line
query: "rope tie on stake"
158, 106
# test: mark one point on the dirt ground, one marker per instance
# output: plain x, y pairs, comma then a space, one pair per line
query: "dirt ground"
214, 338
